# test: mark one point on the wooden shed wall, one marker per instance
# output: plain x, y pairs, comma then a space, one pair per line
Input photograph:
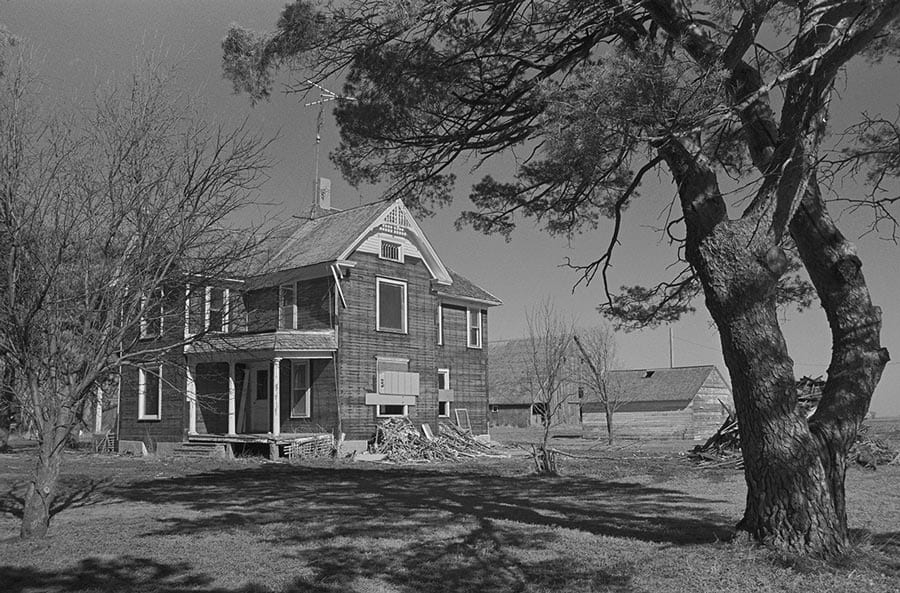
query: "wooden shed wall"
511, 415
709, 406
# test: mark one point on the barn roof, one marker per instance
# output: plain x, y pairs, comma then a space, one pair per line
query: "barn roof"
656, 389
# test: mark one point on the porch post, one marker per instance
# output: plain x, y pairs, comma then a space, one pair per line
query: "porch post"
276, 396
231, 406
190, 389
98, 412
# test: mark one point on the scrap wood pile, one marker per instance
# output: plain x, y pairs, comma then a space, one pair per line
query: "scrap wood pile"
723, 449
401, 442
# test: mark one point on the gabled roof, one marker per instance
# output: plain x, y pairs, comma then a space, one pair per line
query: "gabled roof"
508, 373
463, 288
657, 389
325, 238
333, 236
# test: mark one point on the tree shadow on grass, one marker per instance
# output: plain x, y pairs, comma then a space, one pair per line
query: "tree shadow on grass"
73, 493
385, 528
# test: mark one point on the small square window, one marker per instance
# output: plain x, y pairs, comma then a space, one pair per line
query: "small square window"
443, 409
392, 411
391, 251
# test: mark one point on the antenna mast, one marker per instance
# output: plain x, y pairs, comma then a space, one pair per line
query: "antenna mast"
325, 96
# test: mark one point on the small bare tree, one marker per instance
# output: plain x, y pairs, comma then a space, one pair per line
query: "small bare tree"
597, 346
107, 213
549, 349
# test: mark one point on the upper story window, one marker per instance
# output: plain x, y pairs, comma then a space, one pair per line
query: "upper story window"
207, 309
391, 251
152, 314
287, 307
390, 305
473, 322
216, 309
440, 325
150, 393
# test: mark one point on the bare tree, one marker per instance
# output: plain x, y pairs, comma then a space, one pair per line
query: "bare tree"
107, 213
597, 346
548, 352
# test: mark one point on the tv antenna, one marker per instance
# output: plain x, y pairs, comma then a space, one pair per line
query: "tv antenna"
325, 96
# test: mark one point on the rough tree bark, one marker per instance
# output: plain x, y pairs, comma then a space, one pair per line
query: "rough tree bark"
42, 488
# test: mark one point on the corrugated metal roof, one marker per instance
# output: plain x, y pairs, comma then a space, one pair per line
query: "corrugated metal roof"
464, 288
324, 238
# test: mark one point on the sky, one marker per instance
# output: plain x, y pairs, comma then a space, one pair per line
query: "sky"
82, 44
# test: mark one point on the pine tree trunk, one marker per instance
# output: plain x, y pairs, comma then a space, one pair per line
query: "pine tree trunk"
41, 491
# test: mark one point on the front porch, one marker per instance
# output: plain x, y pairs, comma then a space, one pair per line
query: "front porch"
262, 388
285, 445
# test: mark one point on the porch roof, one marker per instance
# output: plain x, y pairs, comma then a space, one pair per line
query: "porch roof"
283, 340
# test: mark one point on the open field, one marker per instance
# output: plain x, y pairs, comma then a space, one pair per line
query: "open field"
633, 518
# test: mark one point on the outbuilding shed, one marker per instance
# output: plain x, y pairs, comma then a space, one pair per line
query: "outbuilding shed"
680, 402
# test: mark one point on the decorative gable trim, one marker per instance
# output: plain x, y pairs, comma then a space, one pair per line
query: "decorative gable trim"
397, 222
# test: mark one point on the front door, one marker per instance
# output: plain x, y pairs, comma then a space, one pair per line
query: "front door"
259, 397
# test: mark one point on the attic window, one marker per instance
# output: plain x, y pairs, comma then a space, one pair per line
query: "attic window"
391, 251
648, 374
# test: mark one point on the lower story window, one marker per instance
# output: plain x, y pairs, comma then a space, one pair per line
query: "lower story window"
390, 411
443, 409
150, 393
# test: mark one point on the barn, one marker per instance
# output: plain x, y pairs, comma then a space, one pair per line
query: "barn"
514, 399
680, 402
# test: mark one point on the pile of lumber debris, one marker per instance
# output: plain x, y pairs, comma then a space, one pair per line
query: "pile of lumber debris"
400, 441
723, 449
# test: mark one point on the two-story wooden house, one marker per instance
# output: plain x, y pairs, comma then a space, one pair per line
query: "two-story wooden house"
353, 320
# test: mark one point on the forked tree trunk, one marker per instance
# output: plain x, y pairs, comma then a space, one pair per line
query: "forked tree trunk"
41, 490
794, 468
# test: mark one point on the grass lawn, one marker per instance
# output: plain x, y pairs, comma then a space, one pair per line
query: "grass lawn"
629, 518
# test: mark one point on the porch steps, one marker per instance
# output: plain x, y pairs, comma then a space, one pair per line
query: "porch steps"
201, 450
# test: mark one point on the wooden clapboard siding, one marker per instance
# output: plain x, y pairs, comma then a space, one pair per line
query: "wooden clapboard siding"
323, 403
360, 343
262, 309
468, 366
211, 384
172, 425
697, 416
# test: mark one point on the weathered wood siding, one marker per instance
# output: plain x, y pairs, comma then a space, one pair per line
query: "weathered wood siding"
211, 384
641, 425
709, 406
360, 343
323, 401
511, 415
315, 306
697, 420
171, 425
468, 366
262, 309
